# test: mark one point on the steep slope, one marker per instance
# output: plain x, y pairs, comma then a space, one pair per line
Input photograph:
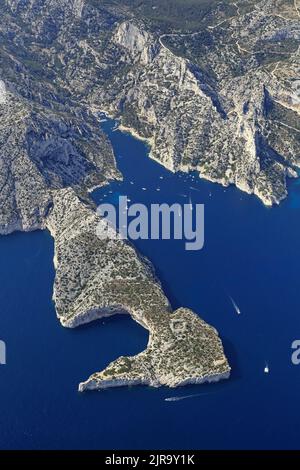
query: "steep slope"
41, 150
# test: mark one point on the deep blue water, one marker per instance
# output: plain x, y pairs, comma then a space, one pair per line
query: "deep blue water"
251, 253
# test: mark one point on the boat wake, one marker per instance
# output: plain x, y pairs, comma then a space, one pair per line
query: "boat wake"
179, 398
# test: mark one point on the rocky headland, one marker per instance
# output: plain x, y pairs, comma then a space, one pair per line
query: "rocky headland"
222, 101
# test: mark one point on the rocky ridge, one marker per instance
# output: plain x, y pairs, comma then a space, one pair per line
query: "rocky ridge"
97, 277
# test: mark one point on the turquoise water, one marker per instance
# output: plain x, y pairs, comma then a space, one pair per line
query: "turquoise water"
251, 254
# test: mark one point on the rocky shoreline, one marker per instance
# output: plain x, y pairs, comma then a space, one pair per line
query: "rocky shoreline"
96, 384
222, 102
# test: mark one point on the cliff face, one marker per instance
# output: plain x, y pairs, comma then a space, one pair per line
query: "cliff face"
42, 150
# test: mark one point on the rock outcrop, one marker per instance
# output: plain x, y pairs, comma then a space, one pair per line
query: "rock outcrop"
42, 150
98, 277
233, 115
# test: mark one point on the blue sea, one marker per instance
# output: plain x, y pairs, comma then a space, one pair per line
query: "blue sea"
251, 255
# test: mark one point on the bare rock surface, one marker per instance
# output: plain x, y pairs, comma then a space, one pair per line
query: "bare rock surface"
222, 101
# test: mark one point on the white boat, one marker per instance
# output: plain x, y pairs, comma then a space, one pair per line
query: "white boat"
266, 369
